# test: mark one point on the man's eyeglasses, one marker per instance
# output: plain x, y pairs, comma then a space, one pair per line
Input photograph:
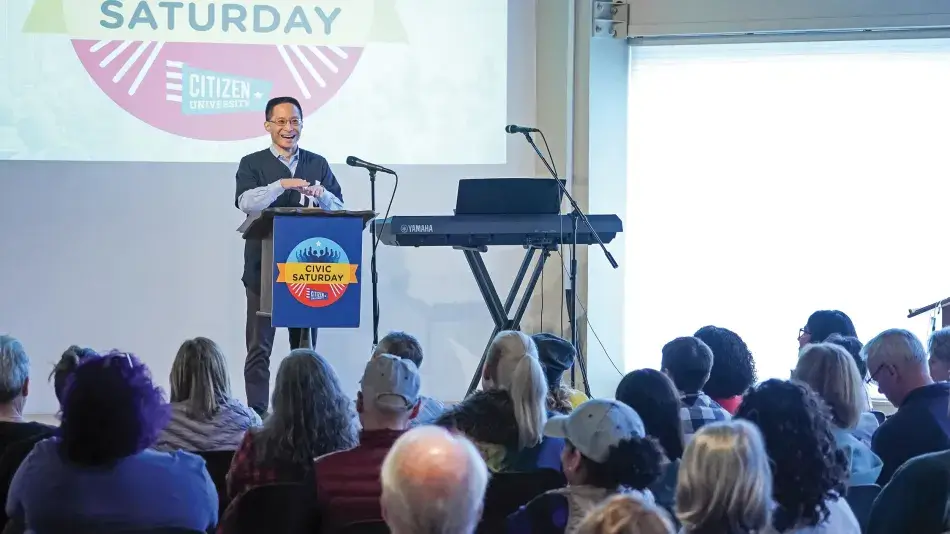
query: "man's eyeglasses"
871, 380
802, 332
284, 122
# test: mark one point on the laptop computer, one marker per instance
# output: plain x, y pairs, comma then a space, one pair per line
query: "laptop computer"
508, 196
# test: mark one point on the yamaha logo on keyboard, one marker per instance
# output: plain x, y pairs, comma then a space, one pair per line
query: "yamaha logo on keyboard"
416, 228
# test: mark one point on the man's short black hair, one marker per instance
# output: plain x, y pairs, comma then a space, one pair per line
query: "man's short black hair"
402, 345
274, 102
688, 361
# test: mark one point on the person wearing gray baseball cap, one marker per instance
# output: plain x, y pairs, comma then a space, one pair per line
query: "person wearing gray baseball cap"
347, 482
606, 452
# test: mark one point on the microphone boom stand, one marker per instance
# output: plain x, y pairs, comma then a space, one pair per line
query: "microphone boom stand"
372, 262
576, 216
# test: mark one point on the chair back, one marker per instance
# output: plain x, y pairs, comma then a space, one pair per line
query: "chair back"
218, 463
365, 527
860, 499
507, 492
108, 529
269, 508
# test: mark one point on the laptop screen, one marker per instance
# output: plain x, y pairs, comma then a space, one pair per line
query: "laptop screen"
508, 196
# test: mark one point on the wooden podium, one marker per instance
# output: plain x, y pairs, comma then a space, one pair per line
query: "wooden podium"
944, 309
317, 255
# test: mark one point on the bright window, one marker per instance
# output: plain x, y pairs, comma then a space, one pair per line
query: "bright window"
767, 181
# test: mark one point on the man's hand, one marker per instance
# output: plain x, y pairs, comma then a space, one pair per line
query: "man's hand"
294, 183
313, 190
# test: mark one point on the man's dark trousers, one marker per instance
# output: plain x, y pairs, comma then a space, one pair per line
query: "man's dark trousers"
259, 336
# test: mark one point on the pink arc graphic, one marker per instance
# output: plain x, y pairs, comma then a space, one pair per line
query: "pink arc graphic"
149, 80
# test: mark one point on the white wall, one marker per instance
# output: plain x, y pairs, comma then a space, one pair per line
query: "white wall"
142, 256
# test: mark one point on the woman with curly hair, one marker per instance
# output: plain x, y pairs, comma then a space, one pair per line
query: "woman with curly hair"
606, 452
100, 472
809, 471
312, 417
733, 370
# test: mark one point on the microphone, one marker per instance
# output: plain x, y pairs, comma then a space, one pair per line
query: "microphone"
357, 162
515, 129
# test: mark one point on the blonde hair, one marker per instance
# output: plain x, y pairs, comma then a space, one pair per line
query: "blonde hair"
199, 378
513, 365
626, 514
831, 372
724, 483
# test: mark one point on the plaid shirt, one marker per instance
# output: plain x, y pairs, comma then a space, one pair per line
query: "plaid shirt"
247, 473
697, 410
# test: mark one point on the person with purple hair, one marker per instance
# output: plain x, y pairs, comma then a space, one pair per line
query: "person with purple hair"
111, 414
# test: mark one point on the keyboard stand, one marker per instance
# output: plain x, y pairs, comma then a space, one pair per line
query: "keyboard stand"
500, 312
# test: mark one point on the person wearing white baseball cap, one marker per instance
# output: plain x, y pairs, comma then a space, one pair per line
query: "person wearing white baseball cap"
347, 482
606, 452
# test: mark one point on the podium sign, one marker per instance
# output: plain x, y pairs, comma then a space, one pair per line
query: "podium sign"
310, 265
316, 282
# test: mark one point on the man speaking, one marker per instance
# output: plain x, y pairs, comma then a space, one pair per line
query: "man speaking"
282, 175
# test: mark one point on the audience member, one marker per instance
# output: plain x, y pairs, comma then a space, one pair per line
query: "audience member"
916, 500
830, 371
733, 370
17, 436
898, 364
939, 348
809, 472
688, 362
205, 417
347, 482
854, 347
824, 323
408, 347
14, 389
506, 420
606, 452
867, 423
311, 417
100, 471
626, 514
725, 483
557, 355
65, 367
432, 481
653, 396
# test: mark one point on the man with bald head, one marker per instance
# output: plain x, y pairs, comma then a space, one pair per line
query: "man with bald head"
433, 481
897, 363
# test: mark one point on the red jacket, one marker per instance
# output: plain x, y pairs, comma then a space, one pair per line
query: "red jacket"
347, 482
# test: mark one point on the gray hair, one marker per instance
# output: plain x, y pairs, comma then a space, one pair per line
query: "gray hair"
939, 344
433, 482
895, 346
14, 368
